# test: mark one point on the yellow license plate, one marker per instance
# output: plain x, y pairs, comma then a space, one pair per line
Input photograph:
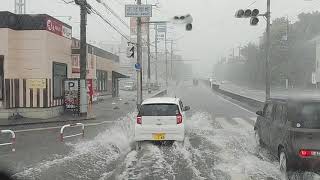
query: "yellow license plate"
158, 136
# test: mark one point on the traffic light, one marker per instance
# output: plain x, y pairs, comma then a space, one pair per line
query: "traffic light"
130, 51
248, 13
255, 13
189, 27
240, 13
254, 21
184, 19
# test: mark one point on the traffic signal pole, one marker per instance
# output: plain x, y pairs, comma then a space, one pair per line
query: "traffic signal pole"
139, 60
156, 49
165, 50
149, 71
268, 77
171, 55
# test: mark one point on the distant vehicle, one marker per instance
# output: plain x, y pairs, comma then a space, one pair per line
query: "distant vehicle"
195, 82
160, 119
129, 86
290, 128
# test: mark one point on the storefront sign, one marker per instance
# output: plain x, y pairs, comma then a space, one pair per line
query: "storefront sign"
75, 63
91, 65
58, 28
36, 83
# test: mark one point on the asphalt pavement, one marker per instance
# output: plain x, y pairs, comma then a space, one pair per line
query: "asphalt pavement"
219, 144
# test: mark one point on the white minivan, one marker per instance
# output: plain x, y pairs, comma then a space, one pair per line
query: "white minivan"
160, 119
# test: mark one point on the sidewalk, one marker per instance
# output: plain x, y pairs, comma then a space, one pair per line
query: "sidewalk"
103, 101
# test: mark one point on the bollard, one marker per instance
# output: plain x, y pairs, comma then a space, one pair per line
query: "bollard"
62, 137
13, 139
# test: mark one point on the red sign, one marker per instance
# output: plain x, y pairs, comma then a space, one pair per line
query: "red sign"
75, 63
90, 90
58, 28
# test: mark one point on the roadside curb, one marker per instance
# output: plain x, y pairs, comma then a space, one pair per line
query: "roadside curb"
48, 122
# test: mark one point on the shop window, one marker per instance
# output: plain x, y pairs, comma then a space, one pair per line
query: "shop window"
59, 75
1, 77
102, 80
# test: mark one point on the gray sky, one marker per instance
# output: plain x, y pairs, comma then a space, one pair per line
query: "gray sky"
215, 31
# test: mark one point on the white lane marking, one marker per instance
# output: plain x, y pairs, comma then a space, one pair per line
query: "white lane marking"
242, 122
224, 123
251, 112
58, 127
237, 176
253, 119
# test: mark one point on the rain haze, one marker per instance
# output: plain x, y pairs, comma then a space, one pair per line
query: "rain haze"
226, 99
215, 32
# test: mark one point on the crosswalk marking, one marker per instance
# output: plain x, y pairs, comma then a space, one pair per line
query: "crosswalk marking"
242, 122
235, 122
222, 121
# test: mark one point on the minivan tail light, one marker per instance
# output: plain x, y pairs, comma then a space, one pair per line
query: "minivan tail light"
306, 153
179, 118
139, 120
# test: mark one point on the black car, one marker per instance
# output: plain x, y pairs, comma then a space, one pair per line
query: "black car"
290, 128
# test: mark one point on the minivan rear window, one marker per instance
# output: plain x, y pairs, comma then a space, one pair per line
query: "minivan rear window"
310, 115
159, 110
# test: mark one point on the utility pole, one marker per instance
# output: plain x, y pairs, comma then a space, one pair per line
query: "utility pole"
20, 6
148, 44
233, 57
84, 9
171, 53
239, 52
139, 60
287, 43
165, 49
268, 77
156, 49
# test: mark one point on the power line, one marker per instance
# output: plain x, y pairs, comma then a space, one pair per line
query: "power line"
115, 14
108, 22
105, 20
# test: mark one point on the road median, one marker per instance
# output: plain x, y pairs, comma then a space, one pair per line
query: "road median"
253, 102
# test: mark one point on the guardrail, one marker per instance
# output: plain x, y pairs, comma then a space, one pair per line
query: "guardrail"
72, 135
13, 139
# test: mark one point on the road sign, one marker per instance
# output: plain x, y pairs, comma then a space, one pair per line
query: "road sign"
162, 28
132, 10
137, 66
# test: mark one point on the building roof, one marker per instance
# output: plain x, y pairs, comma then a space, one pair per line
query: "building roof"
27, 21
96, 51
161, 100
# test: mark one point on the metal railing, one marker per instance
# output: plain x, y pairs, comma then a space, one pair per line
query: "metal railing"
62, 137
13, 139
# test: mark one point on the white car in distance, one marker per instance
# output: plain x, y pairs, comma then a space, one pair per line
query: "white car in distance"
160, 119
